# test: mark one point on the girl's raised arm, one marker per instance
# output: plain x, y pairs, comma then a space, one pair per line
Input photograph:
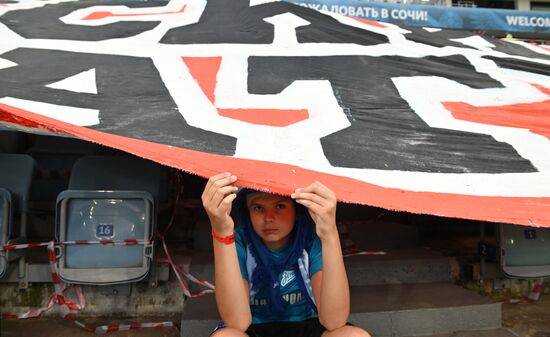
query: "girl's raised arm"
232, 293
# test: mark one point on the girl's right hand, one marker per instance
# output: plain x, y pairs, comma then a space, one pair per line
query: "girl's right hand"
217, 199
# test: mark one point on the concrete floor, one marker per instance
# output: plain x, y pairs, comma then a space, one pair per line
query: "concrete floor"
518, 320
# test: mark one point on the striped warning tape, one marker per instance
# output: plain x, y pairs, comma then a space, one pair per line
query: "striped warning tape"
179, 271
75, 242
533, 296
536, 290
68, 307
350, 249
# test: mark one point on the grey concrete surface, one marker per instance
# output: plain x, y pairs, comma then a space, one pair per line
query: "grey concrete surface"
387, 310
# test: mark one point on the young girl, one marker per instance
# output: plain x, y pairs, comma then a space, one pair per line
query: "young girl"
281, 273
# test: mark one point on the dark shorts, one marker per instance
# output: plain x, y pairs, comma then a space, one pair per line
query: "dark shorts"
307, 328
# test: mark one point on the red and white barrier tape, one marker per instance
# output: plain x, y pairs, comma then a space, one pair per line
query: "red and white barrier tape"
533, 296
349, 246
178, 271
75, 242
68, 307
103, 329
536, 290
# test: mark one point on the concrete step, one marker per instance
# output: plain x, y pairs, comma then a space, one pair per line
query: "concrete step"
501, 332
386, 310
408, 265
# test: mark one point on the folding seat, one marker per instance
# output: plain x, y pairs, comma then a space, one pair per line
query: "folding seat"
5, 225
524, 251
16, 175
109, 198
55, 156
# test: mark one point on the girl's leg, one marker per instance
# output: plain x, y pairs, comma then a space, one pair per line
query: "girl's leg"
346, 331
228, 332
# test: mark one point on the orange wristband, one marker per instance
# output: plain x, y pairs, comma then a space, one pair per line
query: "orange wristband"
226, 240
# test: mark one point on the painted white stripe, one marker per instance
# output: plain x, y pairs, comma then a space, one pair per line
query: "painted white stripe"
475, 41
84, 82
431, 30
6, 63
68, 114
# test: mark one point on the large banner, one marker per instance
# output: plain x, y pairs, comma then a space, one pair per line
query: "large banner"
424, 121
437, 16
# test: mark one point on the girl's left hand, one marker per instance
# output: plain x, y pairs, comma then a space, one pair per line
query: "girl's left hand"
321, 204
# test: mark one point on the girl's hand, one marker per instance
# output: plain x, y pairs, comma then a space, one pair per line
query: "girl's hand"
321, 204
217, 199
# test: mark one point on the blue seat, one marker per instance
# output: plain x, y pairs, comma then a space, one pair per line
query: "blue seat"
5, 225
109, 198
524, 251
16, 175
55, 157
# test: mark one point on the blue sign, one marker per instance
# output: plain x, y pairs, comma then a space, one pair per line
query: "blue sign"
487, 250
105, 230
437, 16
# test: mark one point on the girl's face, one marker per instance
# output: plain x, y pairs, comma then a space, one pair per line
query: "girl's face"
272, 218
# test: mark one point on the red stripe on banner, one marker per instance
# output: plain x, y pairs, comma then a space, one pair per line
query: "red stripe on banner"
131, 242
205, 71
542, 89
541, 46
271, 117
106, 14
106, 242
34, 244
261, 175
135, 326
9, 247
81, 242
370, 22
532, 116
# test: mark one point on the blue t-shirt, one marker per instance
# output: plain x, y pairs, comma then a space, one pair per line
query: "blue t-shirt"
298, 308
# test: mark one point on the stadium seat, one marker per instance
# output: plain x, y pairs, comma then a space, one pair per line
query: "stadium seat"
16, 175
5, 225
524, 251
109, 198
55, 156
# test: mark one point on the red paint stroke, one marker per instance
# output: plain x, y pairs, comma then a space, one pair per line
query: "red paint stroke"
541, 46
532, 116
205, 71
284, 179
542, 89
370, 22
106, 14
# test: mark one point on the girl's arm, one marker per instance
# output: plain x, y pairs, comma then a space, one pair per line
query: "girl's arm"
232, 293
330, 286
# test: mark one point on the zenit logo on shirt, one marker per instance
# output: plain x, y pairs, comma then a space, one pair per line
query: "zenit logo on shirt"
287, 277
